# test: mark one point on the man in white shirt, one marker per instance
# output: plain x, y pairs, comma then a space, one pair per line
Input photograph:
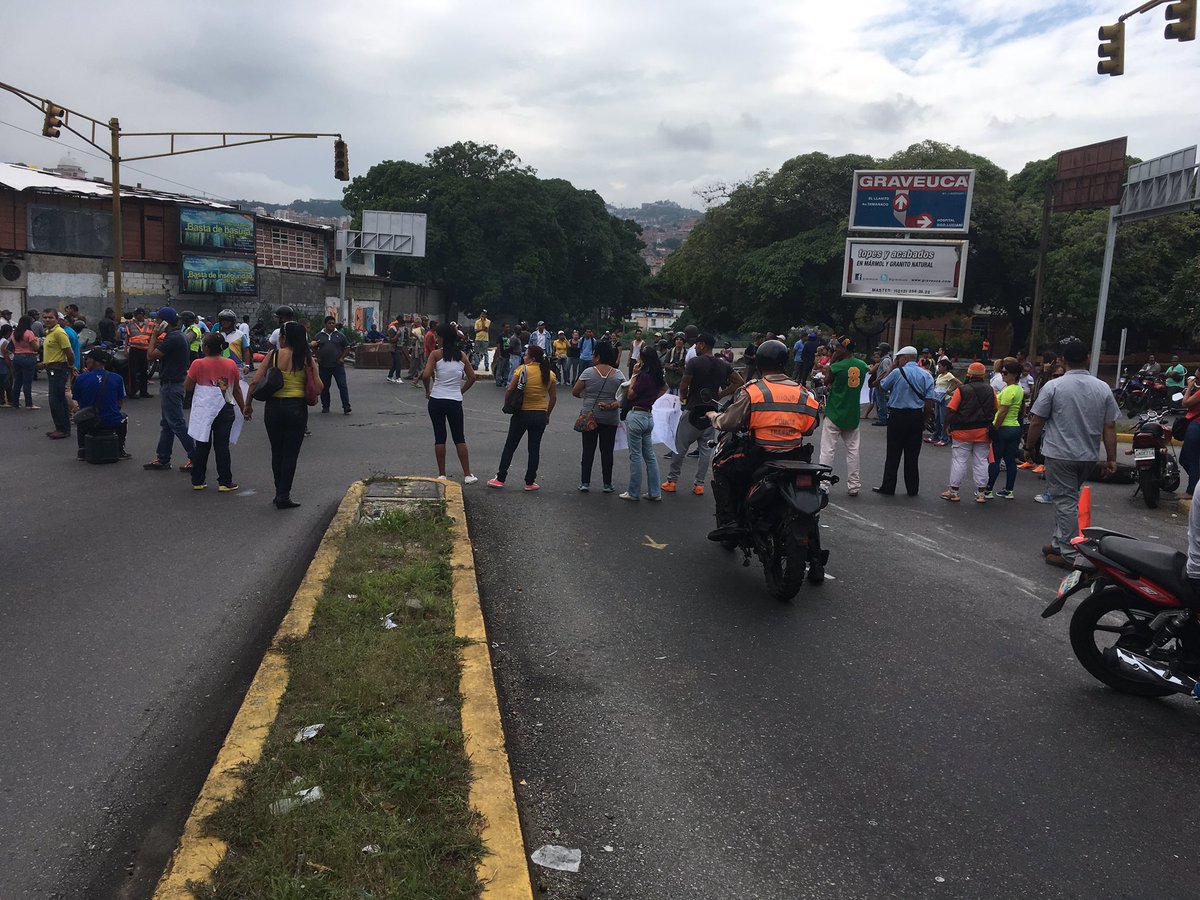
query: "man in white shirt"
284, 314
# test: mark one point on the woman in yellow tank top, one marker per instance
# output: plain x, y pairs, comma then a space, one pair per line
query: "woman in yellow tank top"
285, 414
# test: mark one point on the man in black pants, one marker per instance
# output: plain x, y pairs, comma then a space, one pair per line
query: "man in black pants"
908, 386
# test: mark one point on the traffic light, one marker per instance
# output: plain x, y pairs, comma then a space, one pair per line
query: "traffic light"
1181, 21
53, 122
1112, 51
341, 161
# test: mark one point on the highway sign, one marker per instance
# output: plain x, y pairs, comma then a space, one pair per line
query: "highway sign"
935, 200
905, 270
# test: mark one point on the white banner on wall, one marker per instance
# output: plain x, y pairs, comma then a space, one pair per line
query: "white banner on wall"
905, 270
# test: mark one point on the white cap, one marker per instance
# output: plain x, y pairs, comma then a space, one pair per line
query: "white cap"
910, 350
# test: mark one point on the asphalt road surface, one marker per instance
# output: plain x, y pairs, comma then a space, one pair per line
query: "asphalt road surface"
910, 728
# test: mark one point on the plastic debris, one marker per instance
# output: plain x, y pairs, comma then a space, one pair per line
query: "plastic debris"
551, 856
352, 596
608, 848
302, 796
371, 849
414, 604
307, 733
388, 623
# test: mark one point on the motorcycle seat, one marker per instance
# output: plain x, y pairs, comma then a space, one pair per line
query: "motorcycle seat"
790, 467
1163, 565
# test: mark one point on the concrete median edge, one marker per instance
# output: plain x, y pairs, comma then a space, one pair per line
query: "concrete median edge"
199, 853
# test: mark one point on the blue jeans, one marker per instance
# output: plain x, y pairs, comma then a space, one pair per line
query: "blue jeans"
640, 426
25, 366
1004, 446
329, 374
881, 405
939, 420
172, 425
58, 375
1189, 456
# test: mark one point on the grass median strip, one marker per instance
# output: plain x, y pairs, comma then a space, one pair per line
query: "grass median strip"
393, 819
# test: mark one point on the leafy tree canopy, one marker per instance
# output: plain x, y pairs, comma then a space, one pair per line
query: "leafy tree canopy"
502, 238
770, 254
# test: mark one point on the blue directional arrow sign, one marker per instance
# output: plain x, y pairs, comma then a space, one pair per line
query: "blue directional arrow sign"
912, 200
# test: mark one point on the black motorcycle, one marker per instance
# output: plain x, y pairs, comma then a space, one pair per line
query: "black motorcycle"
780, 516
1154, 457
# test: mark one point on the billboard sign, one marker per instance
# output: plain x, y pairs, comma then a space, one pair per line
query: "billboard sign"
937, 200
214, 229
218, 275
1090, 177
876, 268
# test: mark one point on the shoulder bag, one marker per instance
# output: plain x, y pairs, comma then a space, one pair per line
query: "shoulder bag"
513, 405
312, 391
586, 421
88, 417
271, 381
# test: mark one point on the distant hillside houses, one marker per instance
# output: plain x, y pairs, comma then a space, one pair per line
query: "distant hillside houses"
665, 226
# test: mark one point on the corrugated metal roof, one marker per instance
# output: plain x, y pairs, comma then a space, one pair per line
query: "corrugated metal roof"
23, 178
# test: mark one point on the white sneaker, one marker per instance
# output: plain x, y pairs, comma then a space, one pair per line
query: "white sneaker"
397, 381
391, 380
469, 479
442, 478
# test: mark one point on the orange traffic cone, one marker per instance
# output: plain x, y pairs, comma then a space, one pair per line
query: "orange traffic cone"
1085, 508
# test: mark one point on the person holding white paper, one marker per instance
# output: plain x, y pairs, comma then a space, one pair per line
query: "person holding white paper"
213, 416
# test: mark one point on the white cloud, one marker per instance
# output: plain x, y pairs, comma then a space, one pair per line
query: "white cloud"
639, 102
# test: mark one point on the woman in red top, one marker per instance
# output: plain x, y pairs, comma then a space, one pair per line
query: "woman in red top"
212, 376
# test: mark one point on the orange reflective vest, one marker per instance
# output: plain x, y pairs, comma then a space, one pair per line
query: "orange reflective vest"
138, 333
781, 415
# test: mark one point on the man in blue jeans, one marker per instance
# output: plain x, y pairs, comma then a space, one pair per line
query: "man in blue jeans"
170, 348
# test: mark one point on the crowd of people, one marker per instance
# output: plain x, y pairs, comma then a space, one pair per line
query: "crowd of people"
1049, 417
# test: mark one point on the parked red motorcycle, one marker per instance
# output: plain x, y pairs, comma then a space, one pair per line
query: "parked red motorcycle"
1137, 629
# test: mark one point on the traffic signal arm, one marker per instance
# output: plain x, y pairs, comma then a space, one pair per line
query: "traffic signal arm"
1112, 50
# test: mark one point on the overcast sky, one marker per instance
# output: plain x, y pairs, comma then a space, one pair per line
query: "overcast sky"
638, 101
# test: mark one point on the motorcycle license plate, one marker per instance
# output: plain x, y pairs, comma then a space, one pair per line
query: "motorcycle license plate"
1143, 453
1068, 584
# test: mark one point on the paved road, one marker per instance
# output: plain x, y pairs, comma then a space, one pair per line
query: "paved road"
134, 613
909, 721
912, 728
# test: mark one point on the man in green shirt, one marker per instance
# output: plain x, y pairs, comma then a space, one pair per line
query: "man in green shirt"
1176, 375
847, 374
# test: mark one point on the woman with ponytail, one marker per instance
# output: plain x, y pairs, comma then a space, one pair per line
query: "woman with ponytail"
536, 382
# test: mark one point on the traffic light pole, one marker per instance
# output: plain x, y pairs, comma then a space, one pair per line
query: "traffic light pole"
118, 236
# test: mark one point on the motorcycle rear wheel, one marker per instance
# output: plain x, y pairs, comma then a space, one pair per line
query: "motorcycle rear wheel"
1149, 482
1102, 613
787, 561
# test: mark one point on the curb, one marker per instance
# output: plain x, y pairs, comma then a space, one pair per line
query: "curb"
504, 871
198, 853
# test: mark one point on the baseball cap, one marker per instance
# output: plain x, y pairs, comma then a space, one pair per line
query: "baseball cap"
541, 323
884, 346
168, 314
846, 342
907, 350
140, 311
976, 368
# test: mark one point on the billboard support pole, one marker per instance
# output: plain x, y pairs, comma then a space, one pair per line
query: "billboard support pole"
896, 331
1110, 244
1043, 246
343, 306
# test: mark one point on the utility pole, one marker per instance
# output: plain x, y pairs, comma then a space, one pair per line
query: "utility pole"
57, 116
1043, 245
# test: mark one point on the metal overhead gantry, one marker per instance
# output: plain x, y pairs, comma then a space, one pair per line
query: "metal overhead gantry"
57, 117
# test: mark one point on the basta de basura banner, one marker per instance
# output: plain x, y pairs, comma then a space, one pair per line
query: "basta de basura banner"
905, 270
214, 229
218, 275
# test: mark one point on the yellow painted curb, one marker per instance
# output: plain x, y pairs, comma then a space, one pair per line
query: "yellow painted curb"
504, 871
198, 853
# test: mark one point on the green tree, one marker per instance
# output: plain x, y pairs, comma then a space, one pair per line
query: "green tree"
500, 237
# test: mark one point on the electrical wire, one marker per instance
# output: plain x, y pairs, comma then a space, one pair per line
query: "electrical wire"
201, 191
